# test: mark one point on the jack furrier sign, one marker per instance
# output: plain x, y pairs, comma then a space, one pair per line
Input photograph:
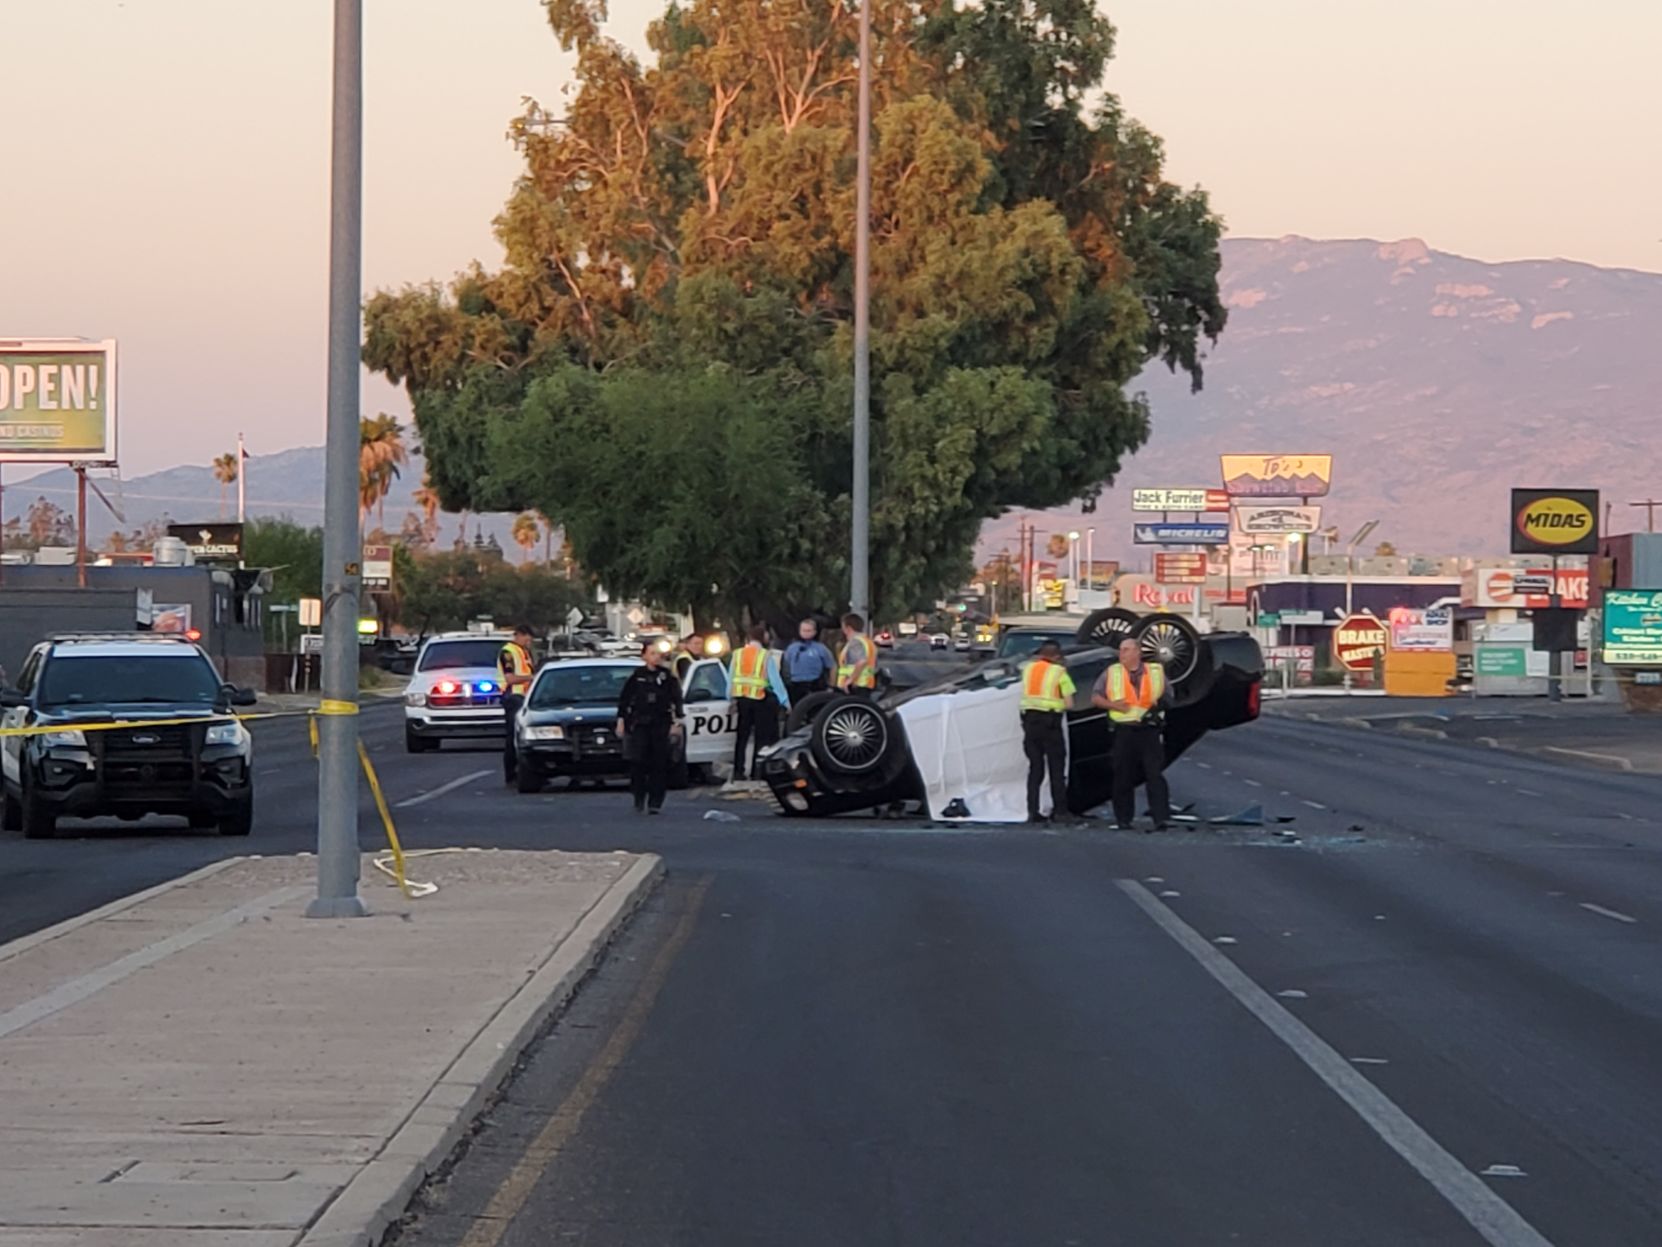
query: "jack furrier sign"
57, 401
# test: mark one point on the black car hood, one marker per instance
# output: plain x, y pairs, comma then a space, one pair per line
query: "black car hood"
129, 712
594, 712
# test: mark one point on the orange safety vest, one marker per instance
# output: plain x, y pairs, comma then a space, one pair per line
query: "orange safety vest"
867, 677
750, 673
1042, 687
517, 670
1150, 688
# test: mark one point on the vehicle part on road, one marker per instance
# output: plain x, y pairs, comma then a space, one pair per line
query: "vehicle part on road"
804, 711
851, 736
721, 816
1108, 627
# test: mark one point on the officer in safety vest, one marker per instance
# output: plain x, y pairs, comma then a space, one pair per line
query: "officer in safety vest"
514, 663
1046, 693
1133, 693
857, 668
758, 695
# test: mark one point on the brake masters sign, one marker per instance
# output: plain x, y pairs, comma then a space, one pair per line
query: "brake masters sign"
57, 401
1555, 521
1633, 627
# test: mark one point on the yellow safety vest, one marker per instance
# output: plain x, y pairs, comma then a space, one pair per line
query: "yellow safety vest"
517, 669
1045, 686
750, 673
1150, 688
845, 669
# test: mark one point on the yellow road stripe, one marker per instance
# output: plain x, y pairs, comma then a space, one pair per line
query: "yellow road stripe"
491, 1224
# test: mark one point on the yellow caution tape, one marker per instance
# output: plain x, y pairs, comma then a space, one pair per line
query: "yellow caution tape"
410, 891
112, 725
329, 706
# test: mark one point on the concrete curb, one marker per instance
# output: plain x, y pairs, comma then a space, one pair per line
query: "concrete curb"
380, 1192
1606, 760
24, 943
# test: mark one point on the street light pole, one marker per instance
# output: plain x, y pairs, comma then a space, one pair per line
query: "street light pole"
337, 729
859, 564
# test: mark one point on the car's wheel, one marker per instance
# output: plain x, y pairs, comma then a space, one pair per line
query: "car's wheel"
239, 819
1107, 627
417, 744
851, 736
39, 823
803, 712
1172, 641
11, 812
201, 820
528, 778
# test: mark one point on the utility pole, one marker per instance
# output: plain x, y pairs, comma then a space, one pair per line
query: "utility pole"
337, 729
1650, 505
859, 565
242, 485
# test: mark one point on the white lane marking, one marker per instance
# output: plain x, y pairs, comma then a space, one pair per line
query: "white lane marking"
1491, 1216
441, 789
1205, 766
1368, 1060
1504, 1171
1608, 913
1315, 805
1154, 879
1170, 892
1252, 783
1224, 939
1293, 993
1529, 792
1624, 815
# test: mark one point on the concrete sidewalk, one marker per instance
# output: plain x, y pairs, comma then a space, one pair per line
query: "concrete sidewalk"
200, 1064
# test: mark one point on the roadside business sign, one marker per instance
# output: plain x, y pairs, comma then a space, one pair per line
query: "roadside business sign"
1299, 659
1555, 521
57, 401
1511, 661
1277, 476
311, 612
1180, 569
1430, 630
1277, 519
1269, 620
1198, 534
1179, 500
210, 543
1633, 627
1357, 640
1524, 588
377, 568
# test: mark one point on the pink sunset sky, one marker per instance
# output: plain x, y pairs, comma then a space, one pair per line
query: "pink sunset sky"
167, 160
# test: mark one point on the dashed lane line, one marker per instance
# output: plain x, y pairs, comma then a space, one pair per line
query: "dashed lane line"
454, 784
1606, 913
1315, 805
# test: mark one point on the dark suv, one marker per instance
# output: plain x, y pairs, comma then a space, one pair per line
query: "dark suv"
174, 749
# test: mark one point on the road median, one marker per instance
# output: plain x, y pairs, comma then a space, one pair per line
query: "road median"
205, 1065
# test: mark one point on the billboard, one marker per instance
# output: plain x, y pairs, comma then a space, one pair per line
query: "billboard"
377, 568
210, 543
1357, 640
1511, 586
1430, 630
1555, 521
1247, 559
1179, 569
57, 401
1277, 476
1633, 627
1203, 534
1179, 500
1260, 519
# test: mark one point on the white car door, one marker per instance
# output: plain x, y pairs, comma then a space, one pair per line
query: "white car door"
711, 720
11, 747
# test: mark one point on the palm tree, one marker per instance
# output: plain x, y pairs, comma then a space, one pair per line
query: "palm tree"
547, 538
427, 498
381, 452
526, 533
225, 472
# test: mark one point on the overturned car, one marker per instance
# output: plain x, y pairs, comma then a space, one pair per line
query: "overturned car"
953, 744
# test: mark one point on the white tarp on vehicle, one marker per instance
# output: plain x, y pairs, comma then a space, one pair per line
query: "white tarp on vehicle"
967, 746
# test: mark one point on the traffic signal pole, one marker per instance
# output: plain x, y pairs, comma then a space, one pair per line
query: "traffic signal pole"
337, 728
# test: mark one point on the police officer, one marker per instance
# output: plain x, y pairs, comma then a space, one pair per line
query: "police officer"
649, 722
857, 670
1046, 692
808, 664
514, 664
758, 694
1133, 692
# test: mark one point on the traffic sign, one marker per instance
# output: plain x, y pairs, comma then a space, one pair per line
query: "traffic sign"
1199, 534
1269, 620
1356, 641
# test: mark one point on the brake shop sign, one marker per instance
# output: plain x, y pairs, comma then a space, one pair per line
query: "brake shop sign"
1357, 639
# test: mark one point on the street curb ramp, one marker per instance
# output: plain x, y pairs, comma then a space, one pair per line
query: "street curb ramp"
380, 1192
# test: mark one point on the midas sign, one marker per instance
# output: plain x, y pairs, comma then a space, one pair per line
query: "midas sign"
57, 401
1357, 639
1546, 521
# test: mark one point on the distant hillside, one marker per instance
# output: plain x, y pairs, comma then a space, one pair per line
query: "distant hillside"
289, 483
1436, 381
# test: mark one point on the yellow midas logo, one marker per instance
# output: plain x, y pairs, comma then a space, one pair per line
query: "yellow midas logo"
1555, 521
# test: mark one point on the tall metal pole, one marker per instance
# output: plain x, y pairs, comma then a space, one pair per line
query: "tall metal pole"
337, 749
859, 566
242, 481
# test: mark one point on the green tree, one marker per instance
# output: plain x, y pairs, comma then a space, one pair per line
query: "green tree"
439, 591
381, 453
292, 553
680, 245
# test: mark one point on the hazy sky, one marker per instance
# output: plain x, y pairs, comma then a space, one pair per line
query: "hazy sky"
166, 161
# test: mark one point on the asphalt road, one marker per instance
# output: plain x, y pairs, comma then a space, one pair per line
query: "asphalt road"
1427, 1010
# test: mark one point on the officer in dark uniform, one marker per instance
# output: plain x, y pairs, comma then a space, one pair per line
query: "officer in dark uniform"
648, 722
515, 665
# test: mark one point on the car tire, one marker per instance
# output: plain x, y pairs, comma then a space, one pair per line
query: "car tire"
39, 823
852, 736
528, 778
417, 744
239, 821
804, 711
11, 811
1108, 627
1171, 640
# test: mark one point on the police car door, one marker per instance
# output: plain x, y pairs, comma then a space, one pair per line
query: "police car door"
11, 747
711, 720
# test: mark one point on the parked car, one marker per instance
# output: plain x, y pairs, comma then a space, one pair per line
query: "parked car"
844, 753
455, 691
939, 640
961, 644
884, 639
182, 755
